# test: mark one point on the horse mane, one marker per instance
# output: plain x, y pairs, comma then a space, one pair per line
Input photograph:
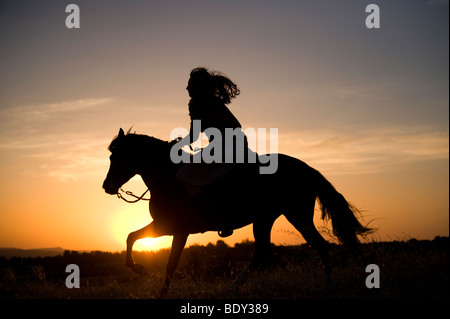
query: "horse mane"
139, 140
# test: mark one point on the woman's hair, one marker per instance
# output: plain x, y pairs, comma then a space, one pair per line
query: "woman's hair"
215, 83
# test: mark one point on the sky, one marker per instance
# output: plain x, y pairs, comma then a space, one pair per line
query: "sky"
368, 108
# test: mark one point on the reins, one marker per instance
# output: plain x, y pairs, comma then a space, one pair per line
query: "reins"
129, 193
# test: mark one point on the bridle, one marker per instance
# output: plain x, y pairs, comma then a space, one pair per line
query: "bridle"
129, 193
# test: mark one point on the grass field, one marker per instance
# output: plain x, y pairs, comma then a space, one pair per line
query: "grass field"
408, 269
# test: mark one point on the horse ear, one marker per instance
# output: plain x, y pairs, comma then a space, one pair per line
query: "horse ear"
121, 133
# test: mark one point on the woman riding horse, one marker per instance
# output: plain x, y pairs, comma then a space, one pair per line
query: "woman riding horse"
210, 93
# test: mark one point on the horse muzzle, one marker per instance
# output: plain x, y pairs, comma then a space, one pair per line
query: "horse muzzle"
110, 188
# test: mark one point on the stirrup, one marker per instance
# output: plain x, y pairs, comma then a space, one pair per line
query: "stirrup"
225, 233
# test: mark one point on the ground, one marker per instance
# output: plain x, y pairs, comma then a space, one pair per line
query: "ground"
408, 269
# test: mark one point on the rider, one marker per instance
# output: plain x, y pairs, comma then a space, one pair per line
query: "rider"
210, 92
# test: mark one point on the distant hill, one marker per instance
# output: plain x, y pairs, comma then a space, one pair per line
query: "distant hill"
41, 252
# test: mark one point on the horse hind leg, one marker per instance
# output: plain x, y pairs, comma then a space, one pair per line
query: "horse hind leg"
305, 225
261, 232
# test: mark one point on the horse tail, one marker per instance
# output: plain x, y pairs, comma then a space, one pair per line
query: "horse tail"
334, 206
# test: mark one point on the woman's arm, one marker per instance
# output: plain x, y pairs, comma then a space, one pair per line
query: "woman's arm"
191, 137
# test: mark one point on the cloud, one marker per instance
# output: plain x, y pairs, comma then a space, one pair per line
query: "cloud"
79, 158
65, 157
56, 140
370, 150
67, 140
50, 111
75, 148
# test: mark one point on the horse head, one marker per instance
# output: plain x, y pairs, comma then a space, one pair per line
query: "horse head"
121, 169
132, 154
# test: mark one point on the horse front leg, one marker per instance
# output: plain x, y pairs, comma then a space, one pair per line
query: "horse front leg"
147, 231
178, 243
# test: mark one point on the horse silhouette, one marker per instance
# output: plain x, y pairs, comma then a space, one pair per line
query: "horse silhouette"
237, 199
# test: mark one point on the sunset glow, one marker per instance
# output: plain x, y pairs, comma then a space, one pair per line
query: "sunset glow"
368, 108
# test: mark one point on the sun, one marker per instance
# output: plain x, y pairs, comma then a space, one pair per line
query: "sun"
152, 244
129, 218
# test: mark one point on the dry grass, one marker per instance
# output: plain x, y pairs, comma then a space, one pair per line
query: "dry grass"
409, 269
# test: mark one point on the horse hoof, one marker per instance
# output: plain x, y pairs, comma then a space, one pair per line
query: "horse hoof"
139, 269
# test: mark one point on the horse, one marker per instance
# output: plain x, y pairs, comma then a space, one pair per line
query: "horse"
241, 197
